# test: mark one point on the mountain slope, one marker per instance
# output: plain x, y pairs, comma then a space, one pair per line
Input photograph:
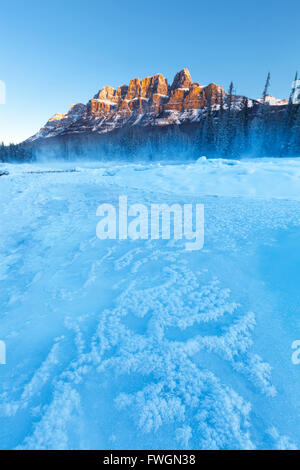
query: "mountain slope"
147, 102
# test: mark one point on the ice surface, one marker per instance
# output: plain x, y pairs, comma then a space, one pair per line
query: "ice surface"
141, 345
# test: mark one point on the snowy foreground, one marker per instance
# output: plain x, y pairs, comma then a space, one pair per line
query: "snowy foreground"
142, 344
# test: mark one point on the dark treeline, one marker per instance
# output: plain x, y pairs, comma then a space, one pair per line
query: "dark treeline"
231, 128
15, 153
237, 130
241, 127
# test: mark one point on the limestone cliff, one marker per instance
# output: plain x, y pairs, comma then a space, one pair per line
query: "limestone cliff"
147, 102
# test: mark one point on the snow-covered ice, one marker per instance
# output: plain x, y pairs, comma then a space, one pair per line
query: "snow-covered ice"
142, 344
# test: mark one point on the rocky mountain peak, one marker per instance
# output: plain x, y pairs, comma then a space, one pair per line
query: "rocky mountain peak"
182, 79
149, 101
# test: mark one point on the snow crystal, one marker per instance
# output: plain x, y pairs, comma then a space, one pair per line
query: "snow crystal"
141, 344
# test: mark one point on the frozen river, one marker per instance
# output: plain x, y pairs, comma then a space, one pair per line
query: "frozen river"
121, 344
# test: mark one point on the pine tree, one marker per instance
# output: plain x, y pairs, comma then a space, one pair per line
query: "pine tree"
260, 128
242, 128
229, 130
287, 124
208, 130
267, 85
220, 130
295, 134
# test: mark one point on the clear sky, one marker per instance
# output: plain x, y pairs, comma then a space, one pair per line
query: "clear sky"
56, 53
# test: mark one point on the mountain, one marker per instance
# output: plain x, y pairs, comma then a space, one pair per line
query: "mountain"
272, 101
151, 118
147, 102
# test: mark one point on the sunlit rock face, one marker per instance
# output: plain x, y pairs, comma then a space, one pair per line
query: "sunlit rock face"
182, 79
147, 102
59, 122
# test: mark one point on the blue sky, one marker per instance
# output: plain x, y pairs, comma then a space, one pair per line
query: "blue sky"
56, 53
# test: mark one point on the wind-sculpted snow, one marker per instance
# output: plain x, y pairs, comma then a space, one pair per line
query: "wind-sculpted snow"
142, 344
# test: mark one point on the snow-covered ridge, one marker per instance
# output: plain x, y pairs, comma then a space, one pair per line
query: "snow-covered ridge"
147, 102
272, 101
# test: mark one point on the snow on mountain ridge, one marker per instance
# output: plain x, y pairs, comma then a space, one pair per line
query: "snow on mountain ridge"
150, 101
272, 101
